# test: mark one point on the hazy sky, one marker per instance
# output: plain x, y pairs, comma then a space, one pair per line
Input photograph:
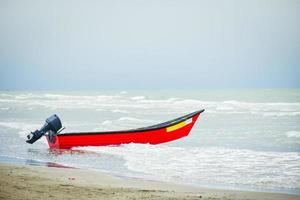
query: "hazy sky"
136, 44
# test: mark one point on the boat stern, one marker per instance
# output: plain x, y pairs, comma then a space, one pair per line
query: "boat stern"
54, 142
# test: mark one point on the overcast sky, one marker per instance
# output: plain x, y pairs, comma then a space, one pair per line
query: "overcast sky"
152, 44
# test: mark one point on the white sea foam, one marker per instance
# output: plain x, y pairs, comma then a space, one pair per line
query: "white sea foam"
281, 114
6, 95
106, 122
56, 96
137, 97
118, 103
23, 127
119, 111
224, 108
293, 134
132, 119
24, 96
210, 165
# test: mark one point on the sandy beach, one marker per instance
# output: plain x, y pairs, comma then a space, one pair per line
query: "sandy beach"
36, 182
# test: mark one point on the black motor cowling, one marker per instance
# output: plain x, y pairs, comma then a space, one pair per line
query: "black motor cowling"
53, 124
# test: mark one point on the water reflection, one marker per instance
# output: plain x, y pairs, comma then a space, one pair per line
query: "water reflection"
22, 161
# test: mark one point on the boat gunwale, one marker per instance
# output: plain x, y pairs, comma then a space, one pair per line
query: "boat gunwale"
144, 129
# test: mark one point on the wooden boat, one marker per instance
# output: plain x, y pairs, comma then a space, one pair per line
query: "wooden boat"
156, 134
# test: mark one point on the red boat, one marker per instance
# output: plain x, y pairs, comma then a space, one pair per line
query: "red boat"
156, 134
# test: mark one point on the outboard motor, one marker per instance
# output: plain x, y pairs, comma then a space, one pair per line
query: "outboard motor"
52, 126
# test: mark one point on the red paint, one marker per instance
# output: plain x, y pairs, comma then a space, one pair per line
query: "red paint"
156, 136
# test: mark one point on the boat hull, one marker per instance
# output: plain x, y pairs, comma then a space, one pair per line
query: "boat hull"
157, 134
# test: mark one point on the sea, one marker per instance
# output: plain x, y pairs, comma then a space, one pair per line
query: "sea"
245, 139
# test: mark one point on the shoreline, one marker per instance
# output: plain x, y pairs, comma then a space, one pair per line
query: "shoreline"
7, 160
41, 182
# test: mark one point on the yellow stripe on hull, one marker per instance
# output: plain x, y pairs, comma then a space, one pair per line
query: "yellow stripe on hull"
179, 125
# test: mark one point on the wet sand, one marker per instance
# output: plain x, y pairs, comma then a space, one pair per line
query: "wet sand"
35, 182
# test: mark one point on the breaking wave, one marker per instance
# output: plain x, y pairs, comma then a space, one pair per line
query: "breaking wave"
293, 134
122, 103
209, 165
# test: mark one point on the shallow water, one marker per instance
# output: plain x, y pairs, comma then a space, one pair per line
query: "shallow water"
244, 140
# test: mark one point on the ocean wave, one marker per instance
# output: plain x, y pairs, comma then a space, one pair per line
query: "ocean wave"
224, 108
131, 104
23, 127
24, 96
138, 97
293, 134
55, 96
281, 114
119, 111
6, 95
210, 165
107, 122
132, 119
158, 101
